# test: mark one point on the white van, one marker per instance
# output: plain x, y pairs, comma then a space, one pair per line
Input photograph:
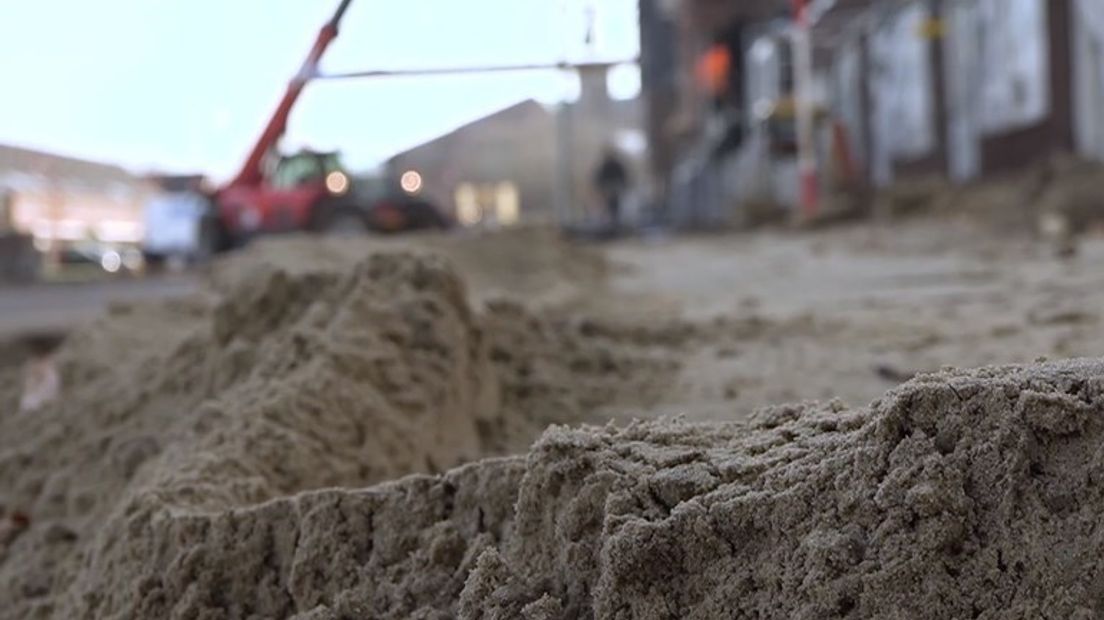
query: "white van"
172, 227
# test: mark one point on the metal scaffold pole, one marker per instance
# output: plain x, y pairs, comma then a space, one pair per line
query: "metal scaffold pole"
565, 195
803, 98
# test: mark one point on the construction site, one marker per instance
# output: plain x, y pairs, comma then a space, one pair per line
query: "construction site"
805, 324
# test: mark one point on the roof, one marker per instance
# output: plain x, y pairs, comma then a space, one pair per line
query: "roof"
512, 115
22, 166
507, 115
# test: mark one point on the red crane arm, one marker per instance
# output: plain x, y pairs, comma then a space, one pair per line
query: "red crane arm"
251, 172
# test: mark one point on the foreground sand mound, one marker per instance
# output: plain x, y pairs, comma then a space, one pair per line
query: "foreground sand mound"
177, 412
399, 550
959, 495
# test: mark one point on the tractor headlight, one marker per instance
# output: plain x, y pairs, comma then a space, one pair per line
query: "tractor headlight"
337, 183
411, 182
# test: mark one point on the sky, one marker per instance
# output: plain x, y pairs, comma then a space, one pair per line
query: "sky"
187, 85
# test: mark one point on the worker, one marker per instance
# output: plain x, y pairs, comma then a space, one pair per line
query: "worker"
611, 179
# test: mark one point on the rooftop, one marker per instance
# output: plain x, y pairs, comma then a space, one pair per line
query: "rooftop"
20, 167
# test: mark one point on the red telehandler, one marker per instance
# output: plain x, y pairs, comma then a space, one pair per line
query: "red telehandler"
307, 191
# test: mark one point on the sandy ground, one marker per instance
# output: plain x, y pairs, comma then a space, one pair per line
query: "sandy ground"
847, 313
60, 307
841, 313
326, 430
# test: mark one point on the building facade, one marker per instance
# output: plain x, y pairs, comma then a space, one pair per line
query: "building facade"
949, 89
61, 200
528, 162
960, 88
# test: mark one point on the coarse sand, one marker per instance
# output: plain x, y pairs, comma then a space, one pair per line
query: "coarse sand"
283, 383
334, 441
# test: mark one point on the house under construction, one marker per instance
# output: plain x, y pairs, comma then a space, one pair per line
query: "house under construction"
900, 89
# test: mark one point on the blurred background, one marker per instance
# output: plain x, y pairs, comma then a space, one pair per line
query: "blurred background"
142, 138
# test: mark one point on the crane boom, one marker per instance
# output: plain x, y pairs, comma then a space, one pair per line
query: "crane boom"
251, 172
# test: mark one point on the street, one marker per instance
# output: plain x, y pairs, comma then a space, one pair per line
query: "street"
55, 308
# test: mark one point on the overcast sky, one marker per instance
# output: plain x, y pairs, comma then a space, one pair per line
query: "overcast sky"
187, 84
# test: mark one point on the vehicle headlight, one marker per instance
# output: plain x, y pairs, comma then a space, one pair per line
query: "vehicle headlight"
111, 261
337, 182
411, 182
132, 260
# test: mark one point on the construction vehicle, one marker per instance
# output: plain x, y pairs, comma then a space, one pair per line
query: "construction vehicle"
307, 191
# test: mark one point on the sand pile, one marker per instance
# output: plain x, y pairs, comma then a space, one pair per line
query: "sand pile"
1056, 197
532, 263
247, 453
961, 495
12, 362
957, 495
286, 382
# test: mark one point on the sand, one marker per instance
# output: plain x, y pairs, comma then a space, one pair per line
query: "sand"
533, 264
1056, 200
391, 432
337, 376
966, 494
957, 495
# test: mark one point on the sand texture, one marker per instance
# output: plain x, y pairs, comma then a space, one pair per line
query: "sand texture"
957, 495
960, 495
371, 434
290, 381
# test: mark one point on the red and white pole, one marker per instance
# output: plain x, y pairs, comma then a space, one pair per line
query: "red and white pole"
803, 102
